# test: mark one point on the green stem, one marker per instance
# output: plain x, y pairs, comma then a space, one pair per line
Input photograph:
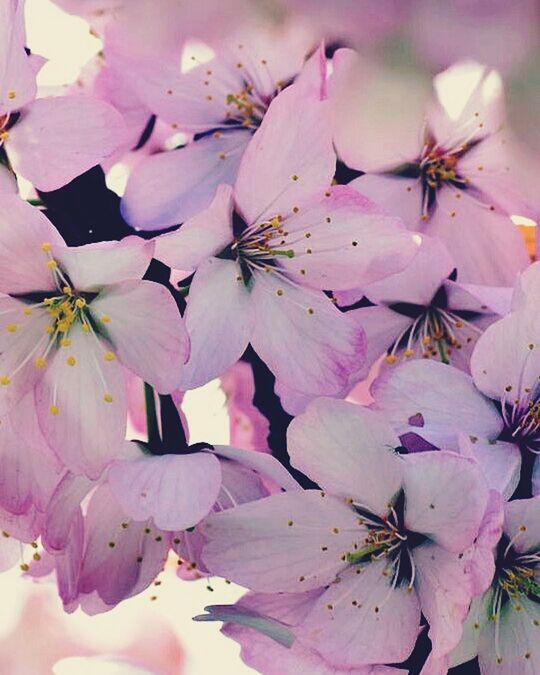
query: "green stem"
151, 416
442, 353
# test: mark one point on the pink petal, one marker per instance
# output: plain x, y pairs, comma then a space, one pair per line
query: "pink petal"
262, 463
485, 244
18, 81
500, 462
93, 266
218, 305
368, 134
135, 308
506, 360
521, 518
23, 231
419, 281
204, 235
445, 593
289, 159
324, 443
445, 397
176, 491
399, 196
323, 345
362, 620
82, 407
371, 245
169, 187
22, 340
292, 541
58, 138
133, 561
62, 511
445, 498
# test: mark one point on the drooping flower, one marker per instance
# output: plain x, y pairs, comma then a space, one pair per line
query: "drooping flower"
71, 319
493, 415
383, 539
47, 140
451, 175
222, 102
143, 506
260, 274
503, 624
425, 312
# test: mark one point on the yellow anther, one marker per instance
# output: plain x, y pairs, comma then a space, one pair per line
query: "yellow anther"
275, 222
52, 264
80, 303
45, 247
11, 328
48, 302
109, 356
40, 363
4, 380
391, 358
49, 330
54, 410
65, 342
67, 290
107, 398
24, 567
27, 311
409, 353
63, 325
106, 318
71, 360
85, 328
4, 135
11, 94
426, 340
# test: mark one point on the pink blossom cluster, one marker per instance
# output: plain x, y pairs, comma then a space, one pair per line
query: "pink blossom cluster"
302, 226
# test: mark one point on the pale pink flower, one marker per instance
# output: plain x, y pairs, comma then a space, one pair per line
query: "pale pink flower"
71, 320
384, 538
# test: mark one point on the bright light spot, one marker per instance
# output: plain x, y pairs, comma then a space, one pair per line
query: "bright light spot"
195, 54
524, 222
455, 86
417, 238
61, 38
207, 416
117, 177
26, 189
175, 141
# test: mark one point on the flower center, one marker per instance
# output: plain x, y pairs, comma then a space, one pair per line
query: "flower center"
245, 107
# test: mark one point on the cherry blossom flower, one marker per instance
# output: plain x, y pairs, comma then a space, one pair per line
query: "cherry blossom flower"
71, 319
425, 312
451, 174
503, 624
494, 414
260, 273
222, 101
47, 140
384, 538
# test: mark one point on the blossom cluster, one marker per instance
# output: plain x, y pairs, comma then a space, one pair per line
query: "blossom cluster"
356, 282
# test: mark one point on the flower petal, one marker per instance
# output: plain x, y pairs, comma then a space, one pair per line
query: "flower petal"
58, 138
136, 309
293, 541
18, 80
170, 187
339, 444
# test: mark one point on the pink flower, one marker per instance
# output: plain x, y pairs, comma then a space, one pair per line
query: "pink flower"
143, 505
451, 174
493, 415
383, 538
48, 140
503, 624
222, 101
260, 274
71, 319
424, 312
